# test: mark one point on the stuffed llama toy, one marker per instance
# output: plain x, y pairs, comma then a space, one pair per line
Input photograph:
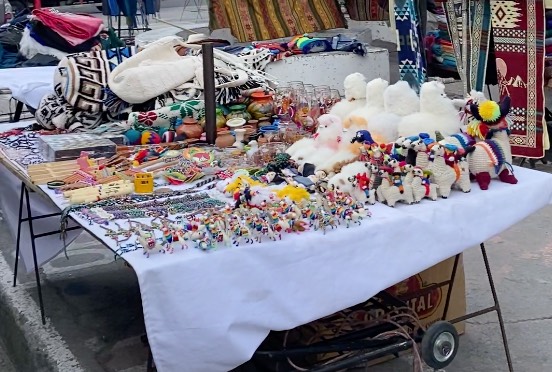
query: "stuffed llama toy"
303, 144
399, 100
374, 104
325, 144
437, 113
355, 95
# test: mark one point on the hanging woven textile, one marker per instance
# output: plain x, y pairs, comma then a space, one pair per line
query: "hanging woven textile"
472, 53
367, 10
518, 31
412, 63
257, 20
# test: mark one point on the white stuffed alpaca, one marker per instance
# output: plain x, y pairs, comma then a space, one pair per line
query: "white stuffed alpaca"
356, 121
374, 103
437, 113
325, 143
400, 99
355, 95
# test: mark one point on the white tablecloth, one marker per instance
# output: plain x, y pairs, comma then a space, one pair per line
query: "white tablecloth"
28, 84
48, 247
208, 312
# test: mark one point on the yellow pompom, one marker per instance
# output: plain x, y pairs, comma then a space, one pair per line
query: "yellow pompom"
489, 111
296, 194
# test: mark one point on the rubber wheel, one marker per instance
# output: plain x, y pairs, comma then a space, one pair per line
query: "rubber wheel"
439, 345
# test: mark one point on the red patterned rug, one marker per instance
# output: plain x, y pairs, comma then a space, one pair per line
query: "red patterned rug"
518, 31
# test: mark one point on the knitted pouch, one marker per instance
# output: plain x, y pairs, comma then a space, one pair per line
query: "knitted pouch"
165, 117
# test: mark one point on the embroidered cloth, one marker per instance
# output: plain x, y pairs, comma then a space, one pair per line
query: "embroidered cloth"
256, 20
367, 10
412, 63
471, 67
518, 31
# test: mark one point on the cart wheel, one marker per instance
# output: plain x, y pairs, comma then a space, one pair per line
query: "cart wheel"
439, 345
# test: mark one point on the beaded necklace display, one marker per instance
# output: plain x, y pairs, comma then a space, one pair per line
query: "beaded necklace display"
135, 198
101, 216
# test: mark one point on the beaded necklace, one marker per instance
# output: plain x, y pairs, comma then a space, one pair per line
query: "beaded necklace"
101, 216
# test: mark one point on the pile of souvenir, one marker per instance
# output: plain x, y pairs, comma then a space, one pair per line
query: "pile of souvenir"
381, 143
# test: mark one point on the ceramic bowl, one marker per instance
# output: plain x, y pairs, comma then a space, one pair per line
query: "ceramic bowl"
235, 122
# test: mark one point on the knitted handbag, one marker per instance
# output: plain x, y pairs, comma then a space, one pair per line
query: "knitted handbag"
156, 70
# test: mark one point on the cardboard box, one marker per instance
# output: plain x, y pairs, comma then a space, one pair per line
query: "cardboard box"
430, 305
418, 292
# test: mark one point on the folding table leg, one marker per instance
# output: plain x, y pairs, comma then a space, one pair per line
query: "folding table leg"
497, 308
18, 241
18, 111
33, 245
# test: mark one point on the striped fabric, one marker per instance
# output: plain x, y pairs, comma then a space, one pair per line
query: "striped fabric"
367, 10
257, 20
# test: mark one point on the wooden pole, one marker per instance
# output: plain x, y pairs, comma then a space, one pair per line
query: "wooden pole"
209, 92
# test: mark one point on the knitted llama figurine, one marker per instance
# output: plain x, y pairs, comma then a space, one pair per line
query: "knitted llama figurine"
421, 186
492, 158
441, 173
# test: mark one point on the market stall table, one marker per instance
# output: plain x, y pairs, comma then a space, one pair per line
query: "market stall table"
27, 85
210, 311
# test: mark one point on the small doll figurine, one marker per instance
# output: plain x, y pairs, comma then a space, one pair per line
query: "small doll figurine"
397, 181
242, 196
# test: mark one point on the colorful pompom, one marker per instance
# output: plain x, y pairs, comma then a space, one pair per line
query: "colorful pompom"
489, 111
133, 136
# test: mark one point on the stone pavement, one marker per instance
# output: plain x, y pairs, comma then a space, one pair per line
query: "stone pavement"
5, 362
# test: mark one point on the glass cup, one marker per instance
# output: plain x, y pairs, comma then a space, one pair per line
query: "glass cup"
322, 93
283, 100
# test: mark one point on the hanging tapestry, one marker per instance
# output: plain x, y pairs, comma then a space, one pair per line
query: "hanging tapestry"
473, 66
412, 64
367, 10
518, 31
257, 20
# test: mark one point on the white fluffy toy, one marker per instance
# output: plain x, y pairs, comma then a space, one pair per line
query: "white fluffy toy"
324, 144
399, 100
437, 113
374, 104
355, 95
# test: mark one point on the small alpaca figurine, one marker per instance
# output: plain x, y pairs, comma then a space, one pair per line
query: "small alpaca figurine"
390, 193
408, 171
422, 186
149, 243
355, 96
492, 158
464, 182
437, 112
359, 175
422, 147
408, 150
441, 173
